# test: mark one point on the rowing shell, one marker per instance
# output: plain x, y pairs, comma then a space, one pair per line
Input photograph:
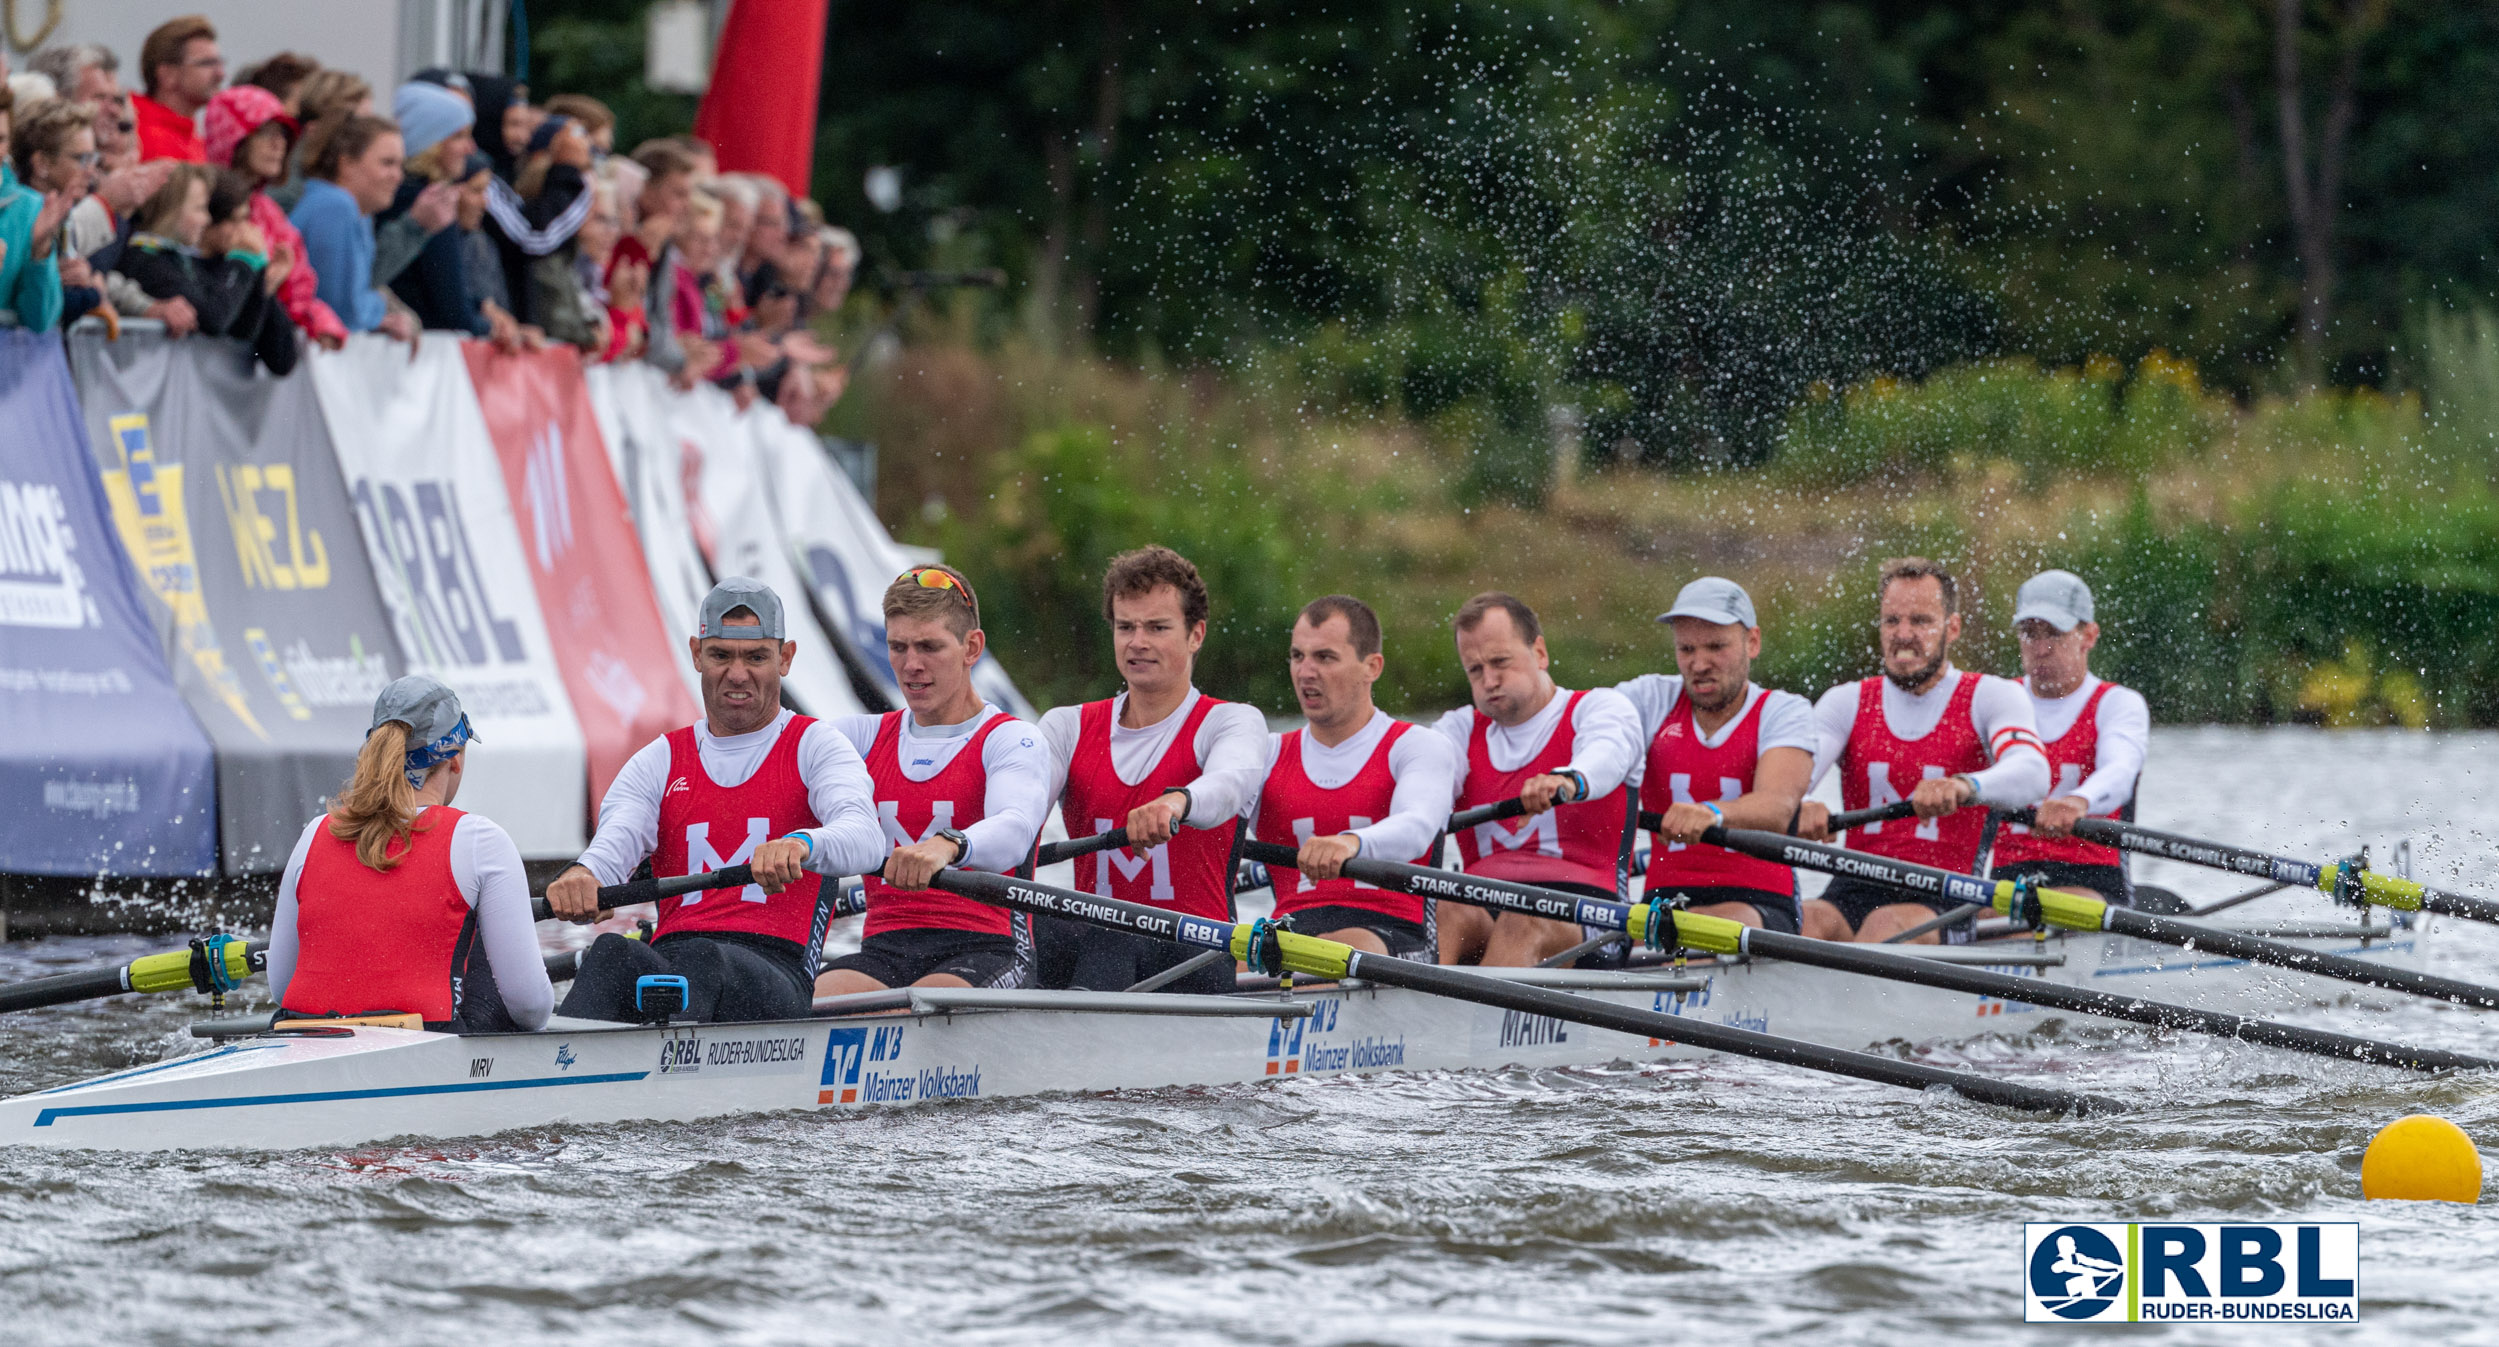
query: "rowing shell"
346, 1086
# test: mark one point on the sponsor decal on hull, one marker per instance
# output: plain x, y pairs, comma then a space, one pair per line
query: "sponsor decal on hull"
860, 1067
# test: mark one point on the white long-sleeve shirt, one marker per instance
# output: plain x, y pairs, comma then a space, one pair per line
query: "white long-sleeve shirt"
848, 840
1606, 746
2125, 725
487, 868
1425, 769
1231, 745
1013, 801
1786, 722
2016, 776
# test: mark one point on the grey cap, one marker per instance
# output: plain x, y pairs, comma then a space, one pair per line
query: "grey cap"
1712, 599
755, 596
424, 704
2058, 598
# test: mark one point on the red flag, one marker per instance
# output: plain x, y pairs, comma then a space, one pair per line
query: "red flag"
760, 112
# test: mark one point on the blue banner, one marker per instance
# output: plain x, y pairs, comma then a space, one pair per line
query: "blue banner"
103, 770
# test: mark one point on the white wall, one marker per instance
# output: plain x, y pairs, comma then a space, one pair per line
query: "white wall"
382, 40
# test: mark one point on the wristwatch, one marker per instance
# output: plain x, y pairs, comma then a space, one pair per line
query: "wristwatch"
962, 844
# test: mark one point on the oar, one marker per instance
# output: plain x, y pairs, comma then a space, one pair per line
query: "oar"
1269, 948
1509, 809
1054, 852
2075, 912
2384, 890
1718, 935
634, 891
192, 969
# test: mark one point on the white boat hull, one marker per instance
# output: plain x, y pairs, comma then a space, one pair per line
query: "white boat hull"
366, 1084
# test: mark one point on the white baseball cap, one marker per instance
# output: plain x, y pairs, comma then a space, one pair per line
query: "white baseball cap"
1712, 599
2058, 598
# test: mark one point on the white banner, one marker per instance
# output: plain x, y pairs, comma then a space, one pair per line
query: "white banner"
733, 505
631, 402
430, 498
842, 550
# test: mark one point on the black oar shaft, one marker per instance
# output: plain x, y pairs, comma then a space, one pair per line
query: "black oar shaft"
632, 891
1046, 900
1054, 852
1510, 896
61, 989
2385, 890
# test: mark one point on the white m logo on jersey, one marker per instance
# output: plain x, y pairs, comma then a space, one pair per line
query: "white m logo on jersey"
2069, 780
1680, 784
1879, 793
700, 859
1306, 828
889, 814
1159, 890
1544, 830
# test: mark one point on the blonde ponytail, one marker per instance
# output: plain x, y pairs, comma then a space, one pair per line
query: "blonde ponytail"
378, 806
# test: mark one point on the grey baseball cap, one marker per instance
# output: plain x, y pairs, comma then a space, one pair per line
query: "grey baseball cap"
2058, 598
424, 704
755, 596
1712, 599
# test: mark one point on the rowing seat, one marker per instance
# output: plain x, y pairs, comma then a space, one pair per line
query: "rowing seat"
382, 1020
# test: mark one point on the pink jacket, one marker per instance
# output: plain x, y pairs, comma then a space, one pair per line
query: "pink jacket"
296, 293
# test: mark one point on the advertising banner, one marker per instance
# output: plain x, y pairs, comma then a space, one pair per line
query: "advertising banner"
593, 585
631, 404
429, 496
842, 551
103, 770
733, 505
227, 499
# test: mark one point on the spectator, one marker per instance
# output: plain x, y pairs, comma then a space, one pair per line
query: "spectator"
53, 152
660, 213
585, 324
596, 120
283, 75
248, 130
181, 67
196, 241
534, 221
440, 129
737, 219
426, 200
356, 175
98, 226
30, 277
82, 71
692, 310
836, 272
325, 100
627, 282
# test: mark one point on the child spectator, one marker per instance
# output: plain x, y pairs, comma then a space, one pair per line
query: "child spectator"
196, 240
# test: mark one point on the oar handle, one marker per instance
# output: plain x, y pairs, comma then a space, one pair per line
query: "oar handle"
1270, 853
1881, 813
1054, 852
633, 891
1486, 813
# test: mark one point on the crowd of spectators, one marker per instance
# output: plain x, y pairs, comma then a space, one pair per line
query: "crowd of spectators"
290, 205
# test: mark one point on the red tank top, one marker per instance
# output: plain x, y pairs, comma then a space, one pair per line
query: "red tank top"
1293, 809
1677, 761
1193, 871
1878, 768
910, 811
373, 940
705, 826
1584, 843
2071, 757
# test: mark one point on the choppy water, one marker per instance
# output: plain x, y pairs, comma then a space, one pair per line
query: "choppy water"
1612, 1205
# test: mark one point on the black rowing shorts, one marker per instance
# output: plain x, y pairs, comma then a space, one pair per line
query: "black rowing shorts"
1778, 911
2108, 881
1405, 939
1856, 899
901, 958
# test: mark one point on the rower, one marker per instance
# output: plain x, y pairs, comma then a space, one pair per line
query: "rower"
1959, 738
2095, 734
1565, 755
1721, 751
751, 782
395, 903
1355, 782
959, 783
1172, 766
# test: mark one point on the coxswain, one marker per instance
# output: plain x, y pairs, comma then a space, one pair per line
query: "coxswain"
1355, 781
959, 783
1172, 766
751, 782
2096, 734
1951, 738
1566, 755
1721, 750
395, 903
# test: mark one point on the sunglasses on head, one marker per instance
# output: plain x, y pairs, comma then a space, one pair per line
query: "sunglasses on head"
929, 577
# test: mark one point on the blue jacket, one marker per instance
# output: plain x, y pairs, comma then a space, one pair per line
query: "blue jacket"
338, 241
30, 290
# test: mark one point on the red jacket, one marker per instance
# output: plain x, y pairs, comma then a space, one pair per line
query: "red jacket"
167, 134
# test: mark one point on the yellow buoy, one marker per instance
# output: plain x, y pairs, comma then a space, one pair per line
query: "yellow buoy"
2421, 1159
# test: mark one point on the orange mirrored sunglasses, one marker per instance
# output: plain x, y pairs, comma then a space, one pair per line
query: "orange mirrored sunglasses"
929, 577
